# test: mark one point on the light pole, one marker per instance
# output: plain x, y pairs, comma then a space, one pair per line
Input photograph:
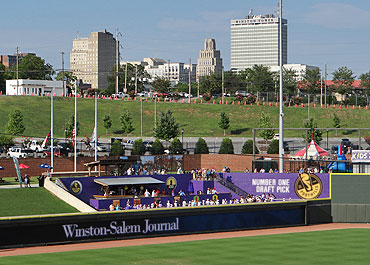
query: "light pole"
65, 135
182, 135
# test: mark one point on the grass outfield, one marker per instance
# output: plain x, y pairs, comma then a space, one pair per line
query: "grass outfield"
31, 201
196, 119
348, 246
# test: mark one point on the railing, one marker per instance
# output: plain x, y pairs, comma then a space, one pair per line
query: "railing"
231, 186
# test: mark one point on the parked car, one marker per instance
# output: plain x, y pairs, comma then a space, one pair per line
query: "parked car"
34, 146
19, 152
100, 147
128, 144
148, 144
56, 151
64, 145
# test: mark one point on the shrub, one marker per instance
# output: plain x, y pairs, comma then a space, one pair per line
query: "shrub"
176, 147
248, 148
226, 147
206, 96
251, 99
201, 147
274, 147
116, 149
239, 97
157, 148
138, 147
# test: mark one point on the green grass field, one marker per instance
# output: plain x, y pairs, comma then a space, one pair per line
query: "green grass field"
31, 201
197, 120
347, 247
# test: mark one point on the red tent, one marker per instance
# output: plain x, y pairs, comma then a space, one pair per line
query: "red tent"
313, 151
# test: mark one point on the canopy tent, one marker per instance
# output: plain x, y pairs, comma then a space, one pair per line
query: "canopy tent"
127, 181
313, 151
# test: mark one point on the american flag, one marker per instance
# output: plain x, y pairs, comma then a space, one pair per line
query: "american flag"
73, 135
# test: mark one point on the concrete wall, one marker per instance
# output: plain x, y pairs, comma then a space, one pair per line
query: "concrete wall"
67, 197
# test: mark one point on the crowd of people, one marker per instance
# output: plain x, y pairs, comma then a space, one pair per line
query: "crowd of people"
250, 198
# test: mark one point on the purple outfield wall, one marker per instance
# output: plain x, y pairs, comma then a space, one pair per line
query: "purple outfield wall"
281, 185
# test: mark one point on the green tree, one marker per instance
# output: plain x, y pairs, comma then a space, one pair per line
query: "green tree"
201, 147
34, 67
226, 147
167, 127
211, 84
260, 78
336, 121
248, 148
69, 126
2, 78
138, 147
290, 83
6, 142
343, 79
107, 123
161, 85
273, 147
126, 123
15, 124
116, 149
365, 83
157, 148
176, 147
265, 122
224, 122
312, 133
311, 80
69, 79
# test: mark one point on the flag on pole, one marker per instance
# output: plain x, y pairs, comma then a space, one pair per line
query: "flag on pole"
73, 135
93, 138
46, 140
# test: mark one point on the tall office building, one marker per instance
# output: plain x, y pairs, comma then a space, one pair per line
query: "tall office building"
209, 60
255, 40
92, 59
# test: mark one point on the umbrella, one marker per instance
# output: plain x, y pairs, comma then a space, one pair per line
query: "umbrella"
1, 168
45, 165
22, 166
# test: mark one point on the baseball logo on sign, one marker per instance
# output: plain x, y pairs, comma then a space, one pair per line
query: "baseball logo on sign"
171, 183
308, 186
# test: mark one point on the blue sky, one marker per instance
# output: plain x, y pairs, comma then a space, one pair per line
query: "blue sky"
335, 33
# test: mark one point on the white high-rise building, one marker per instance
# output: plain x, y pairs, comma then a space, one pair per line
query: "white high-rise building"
209, 60
92, 59
255, 40
299, 69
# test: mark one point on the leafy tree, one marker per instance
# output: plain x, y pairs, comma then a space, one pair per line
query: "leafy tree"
260, 78
248, 148
201, 147
312, 81
2, 78
224, 122
33, 67
69, 125
157, 148
336, 121
126, 123
365, 83
211, 84
6, 142
273, 147
176, 147
117, 149
289, 81
265, 122
226, 147
235, 81
161, 85
312, 133
142, 77
343, 79
107, 123
167, 127
69, 79
15, 124
138, 147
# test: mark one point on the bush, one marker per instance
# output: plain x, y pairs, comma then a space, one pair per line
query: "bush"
5, 142
367, 139
248, 148
251, 99
226, 147
239, 97
116, 149
206, 96
157, 148
176, 147
138, 147
201, 147
274, 147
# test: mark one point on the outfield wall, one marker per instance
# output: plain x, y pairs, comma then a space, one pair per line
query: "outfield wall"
70, 228
350, 198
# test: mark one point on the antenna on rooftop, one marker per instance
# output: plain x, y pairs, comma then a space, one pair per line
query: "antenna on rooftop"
277, 11
251, 12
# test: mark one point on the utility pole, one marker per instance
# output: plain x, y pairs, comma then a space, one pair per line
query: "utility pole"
325, 83
52, 130
168, 66
135, 79
223, 85
189, 80
17, 70
141, 117
321, 89
64, 92
281, 116
125, 89
155, 113
117, 60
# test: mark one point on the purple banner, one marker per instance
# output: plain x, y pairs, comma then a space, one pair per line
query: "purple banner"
360, 156
284, 186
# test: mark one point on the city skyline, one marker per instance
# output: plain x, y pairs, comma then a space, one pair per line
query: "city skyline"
331, 32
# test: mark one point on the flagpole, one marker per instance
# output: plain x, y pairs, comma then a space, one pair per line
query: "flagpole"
75, 130
52, 130
96, 128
